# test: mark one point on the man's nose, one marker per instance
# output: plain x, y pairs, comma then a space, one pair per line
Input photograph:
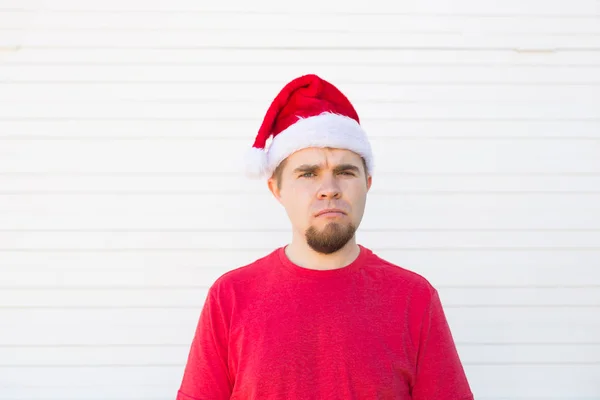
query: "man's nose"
329, 189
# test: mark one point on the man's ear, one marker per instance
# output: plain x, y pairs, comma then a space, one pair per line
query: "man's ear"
369, 182
274, 188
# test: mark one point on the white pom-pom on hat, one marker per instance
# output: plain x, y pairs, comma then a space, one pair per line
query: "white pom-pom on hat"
256, 163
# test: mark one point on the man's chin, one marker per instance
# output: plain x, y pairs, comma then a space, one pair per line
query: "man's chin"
331, 238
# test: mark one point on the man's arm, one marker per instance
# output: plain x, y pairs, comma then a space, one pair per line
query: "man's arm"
440, 374
206, 375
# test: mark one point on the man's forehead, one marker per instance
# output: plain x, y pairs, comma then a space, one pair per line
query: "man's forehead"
323, 157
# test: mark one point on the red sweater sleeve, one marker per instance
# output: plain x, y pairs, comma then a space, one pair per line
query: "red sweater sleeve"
206, 375
440, 374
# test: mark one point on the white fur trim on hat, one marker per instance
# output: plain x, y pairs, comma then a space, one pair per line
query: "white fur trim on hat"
324, 130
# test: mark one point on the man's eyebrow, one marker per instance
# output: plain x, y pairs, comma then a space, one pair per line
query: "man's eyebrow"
306, 168
346, 167
338, 168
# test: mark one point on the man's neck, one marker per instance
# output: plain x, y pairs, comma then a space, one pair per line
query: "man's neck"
300, 253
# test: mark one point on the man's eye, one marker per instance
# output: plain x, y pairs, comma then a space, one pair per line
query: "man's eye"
347, 173
307, 175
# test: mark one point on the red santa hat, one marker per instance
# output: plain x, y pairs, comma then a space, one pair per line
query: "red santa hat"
308, 112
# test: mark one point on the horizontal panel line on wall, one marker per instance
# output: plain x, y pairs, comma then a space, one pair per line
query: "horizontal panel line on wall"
47, 356
196, 307
172, 287
124, 137
168, 391
254, 240
234, 174
90, 365
199, 249
218, 183
274, 230
530, 363
242, 103
291, 22
237, 130
186, 11
353, 39
510, 112
174, 250
283, 31
90, 326
338, 82
222, 198
143, 364
155, 365
283, 64
235, 192
528, 344
449, 268
524, 49
191, 137
59, 390
177, 298
75, 118
364, 95
366, 105
303, 58
244, 73
186, 345
136, 345
170, 318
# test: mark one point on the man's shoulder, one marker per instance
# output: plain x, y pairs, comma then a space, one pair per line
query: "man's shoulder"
250, 271
399, 275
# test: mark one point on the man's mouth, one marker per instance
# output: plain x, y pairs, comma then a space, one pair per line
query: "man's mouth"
330, 212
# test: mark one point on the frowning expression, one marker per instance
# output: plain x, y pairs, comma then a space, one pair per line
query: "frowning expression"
323, 190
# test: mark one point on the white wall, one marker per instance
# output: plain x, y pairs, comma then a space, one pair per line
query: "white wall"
122, 124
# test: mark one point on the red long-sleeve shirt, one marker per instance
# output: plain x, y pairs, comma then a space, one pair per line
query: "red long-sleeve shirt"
370, 330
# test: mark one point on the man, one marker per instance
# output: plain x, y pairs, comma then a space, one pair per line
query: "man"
323, 317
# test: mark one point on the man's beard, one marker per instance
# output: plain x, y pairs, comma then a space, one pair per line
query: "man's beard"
333, 237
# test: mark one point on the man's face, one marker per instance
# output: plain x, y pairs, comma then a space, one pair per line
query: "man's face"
315, 180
